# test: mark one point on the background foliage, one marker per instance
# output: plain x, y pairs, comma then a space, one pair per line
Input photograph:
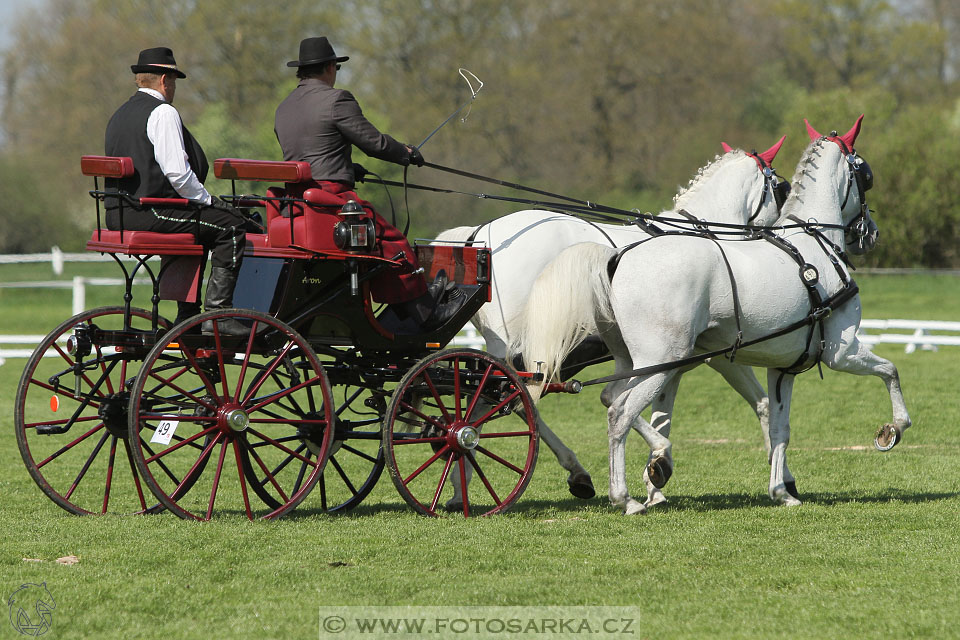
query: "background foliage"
618, 102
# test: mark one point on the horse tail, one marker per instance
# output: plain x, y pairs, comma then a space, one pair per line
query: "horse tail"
568, 300
457, 234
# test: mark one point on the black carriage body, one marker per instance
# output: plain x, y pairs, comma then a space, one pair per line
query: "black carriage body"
325, 297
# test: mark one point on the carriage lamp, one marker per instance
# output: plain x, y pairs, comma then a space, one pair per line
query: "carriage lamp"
79, 342
355, 231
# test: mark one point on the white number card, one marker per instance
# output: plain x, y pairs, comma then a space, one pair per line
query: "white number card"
165, 431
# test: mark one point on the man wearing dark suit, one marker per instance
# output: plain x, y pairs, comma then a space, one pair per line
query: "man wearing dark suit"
319, 124
169, 163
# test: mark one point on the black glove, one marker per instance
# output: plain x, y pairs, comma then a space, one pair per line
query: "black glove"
359, 173
217, 203
416, 157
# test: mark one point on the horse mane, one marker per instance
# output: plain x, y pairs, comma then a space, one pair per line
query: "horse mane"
704, 173
796, 182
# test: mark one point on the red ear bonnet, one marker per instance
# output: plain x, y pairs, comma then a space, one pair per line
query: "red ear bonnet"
772, 152
726, 148
851, 136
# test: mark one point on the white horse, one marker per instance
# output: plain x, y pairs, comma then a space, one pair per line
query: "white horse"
675, 298
736, 188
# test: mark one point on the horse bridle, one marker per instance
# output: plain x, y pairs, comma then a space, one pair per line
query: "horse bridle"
859, 173
779, 186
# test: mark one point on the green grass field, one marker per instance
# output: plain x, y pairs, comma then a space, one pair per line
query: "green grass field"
873, 552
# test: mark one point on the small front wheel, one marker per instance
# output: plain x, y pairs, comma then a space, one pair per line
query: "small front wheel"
461, 428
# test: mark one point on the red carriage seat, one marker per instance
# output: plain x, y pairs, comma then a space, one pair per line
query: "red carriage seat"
310, 224
181, 256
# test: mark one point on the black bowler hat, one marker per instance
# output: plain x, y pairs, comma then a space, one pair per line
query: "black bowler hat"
316, 51
157, 60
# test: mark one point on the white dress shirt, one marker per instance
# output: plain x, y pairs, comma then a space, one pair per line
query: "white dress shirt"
165, 131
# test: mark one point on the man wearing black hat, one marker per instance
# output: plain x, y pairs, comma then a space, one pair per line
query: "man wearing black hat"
320, 125
169, 163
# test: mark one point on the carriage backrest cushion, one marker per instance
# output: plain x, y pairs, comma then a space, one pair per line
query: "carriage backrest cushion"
106, 166
273, 208
261, 170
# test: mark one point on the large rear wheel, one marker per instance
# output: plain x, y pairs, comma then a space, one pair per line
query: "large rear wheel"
356, 457
70, 413
214, 411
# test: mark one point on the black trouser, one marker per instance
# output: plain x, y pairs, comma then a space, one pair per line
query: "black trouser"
220, 229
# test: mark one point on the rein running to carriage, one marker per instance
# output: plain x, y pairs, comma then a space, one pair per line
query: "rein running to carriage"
587, 210
856, 231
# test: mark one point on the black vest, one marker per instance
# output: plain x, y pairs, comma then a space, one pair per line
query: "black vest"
127, 136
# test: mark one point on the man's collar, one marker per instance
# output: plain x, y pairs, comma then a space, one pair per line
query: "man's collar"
313, 82
152, 92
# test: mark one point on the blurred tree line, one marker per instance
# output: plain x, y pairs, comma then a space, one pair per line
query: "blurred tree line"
618, 101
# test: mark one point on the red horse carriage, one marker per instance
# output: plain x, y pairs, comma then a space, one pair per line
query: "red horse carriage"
118, 411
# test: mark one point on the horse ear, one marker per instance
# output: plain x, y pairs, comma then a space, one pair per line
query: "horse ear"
811, 131
772, 152
726, 148
851, 136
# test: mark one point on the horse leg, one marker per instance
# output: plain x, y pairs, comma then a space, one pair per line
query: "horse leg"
661, 421
621, 416
579, 481
744, 382
780, 437
859, 360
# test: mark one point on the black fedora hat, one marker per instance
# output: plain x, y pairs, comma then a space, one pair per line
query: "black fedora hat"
157, 60
316, 51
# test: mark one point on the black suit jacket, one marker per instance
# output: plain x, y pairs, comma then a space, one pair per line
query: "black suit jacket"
319, 124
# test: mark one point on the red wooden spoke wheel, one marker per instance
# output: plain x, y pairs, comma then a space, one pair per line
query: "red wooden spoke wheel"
215, 414
70, 414
356, 457
460, 413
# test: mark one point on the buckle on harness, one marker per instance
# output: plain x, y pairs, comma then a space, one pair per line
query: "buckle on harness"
821, 313
735, 346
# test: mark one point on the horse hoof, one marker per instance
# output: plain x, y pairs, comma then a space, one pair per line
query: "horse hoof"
634, 508
659, 471
658, 498
581, 486
887, 437
782, 495
792, 489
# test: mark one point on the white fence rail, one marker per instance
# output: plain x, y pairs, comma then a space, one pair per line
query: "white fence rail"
917, 336
78, 285
913, 334
468, 337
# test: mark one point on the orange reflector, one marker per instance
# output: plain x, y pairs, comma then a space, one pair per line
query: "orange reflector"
173, 345
54, 403
433, 345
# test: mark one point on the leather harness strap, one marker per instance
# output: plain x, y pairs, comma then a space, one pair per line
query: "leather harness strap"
820, 309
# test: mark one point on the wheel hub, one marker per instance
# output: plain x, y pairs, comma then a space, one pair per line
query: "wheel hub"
113, 412
236, 419
467, 438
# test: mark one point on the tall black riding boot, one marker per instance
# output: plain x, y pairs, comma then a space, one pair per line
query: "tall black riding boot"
186, 310
220, 296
